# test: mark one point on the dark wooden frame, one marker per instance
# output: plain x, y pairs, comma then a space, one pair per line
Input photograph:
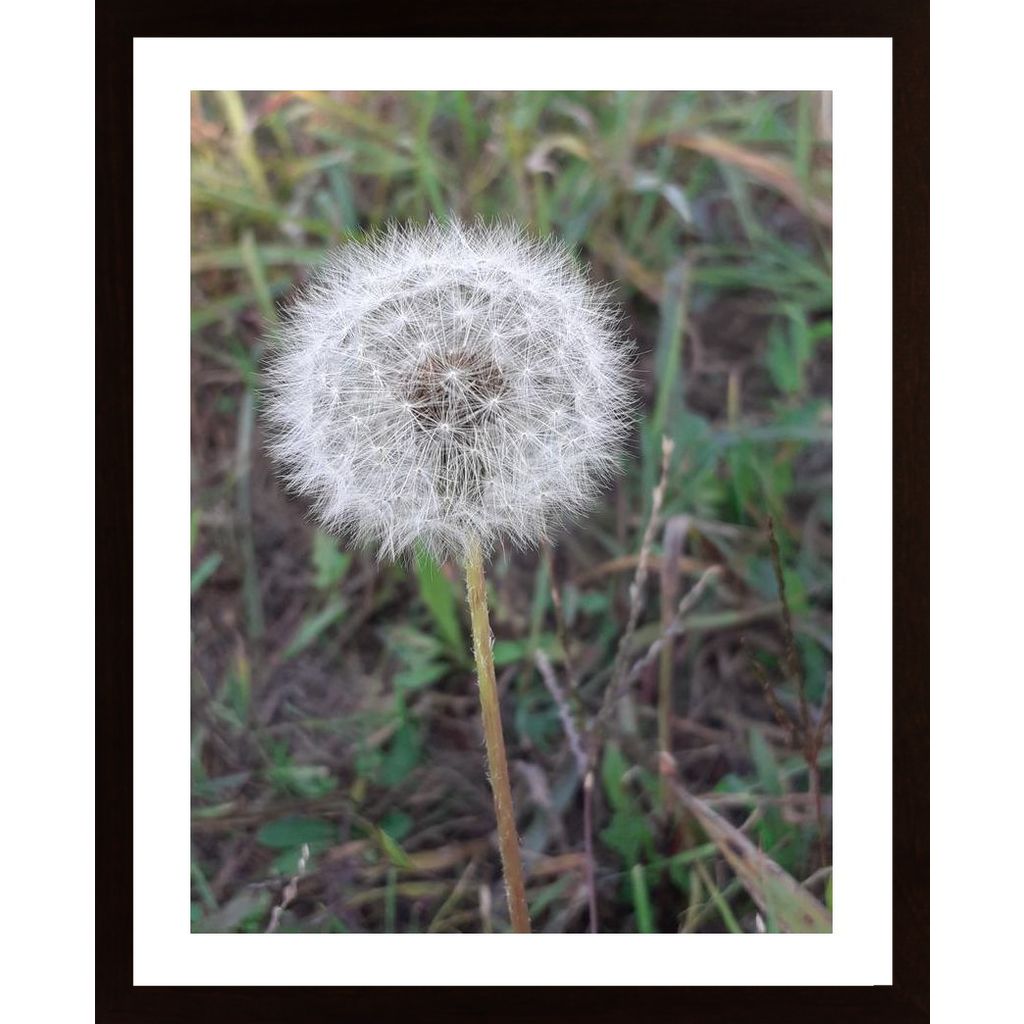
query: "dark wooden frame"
907, 23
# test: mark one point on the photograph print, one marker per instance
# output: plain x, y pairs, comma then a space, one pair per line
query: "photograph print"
511, 512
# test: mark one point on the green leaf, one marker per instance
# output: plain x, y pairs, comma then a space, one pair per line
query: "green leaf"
397, 824
402, 756
330, 563
438, 595
629, 832
391, 848
412, 645
312, 627
508, 652
308, 780
629, 835
294, 831
206, 568
796, 592
420, 675
613, 768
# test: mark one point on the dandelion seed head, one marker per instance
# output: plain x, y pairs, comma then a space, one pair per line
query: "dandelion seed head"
445, 384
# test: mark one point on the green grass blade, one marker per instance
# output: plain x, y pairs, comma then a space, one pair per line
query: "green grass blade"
641, 900
670, 347
245, 147
312, 627
206, 568
438, 594
258, 276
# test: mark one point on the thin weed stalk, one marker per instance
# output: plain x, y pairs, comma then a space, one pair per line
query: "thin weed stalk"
674, 537
805, 735
617, 684
572, 717
586, 774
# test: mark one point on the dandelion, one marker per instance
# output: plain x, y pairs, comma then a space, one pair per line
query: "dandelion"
455, 387
448, 385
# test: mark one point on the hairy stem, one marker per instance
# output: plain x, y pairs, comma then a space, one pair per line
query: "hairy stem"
497, 763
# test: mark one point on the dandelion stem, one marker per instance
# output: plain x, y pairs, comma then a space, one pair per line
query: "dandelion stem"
508, 838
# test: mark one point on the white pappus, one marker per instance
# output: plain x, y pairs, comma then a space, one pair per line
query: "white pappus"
448, 384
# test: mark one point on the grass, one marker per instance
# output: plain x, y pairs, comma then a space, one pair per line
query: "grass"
334, 709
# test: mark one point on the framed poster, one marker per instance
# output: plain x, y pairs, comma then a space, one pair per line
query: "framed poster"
513, 365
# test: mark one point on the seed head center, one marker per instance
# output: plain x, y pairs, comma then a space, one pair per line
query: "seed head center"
459, 388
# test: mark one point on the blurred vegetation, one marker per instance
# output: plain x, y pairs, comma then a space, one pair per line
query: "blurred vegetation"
335, 730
